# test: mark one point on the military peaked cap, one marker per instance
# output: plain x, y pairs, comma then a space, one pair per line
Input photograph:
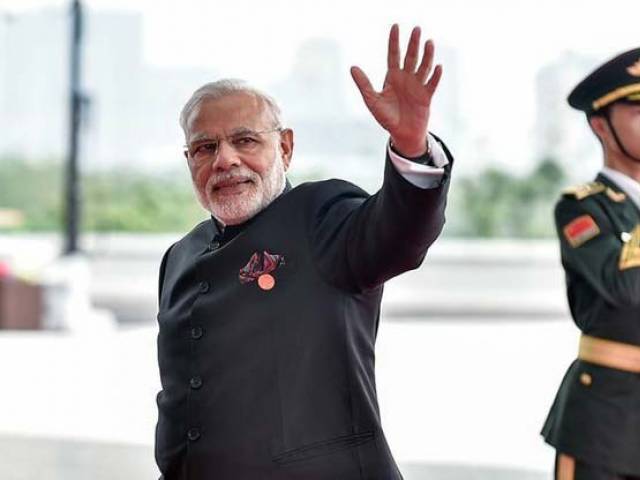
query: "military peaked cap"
616, 80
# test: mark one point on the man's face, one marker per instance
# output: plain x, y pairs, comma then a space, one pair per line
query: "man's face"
236, 157
625, 118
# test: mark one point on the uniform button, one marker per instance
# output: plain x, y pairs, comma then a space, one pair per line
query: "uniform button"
193, 434
196, 333
214, 245
586, 379
195, 382
204, 287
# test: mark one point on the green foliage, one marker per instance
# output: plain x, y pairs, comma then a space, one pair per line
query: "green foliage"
112, 201
491, 204
497, 204
34, 189
130, 201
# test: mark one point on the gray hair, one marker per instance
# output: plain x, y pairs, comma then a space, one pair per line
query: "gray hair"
222, 88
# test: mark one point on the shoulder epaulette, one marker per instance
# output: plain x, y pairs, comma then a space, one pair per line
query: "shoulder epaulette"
584, 190
616, 196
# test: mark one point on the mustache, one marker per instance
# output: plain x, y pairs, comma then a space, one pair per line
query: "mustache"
231, 177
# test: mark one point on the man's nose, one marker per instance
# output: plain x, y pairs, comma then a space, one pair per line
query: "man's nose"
226, 157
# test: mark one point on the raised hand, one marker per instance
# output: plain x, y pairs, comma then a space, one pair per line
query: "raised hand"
403, 106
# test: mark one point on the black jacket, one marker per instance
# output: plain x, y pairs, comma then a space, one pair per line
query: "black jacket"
267, 332
599, 421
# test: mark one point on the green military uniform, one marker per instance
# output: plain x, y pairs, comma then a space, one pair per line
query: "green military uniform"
595, 418
596, 415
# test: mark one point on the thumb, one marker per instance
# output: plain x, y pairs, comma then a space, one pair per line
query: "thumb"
364, 85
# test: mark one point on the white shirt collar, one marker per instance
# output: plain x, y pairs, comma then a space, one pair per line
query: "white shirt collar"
627, 184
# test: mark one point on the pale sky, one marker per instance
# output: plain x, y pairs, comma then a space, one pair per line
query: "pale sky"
501, 43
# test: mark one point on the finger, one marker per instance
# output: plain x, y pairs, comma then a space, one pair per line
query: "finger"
433, 82
363, 84
393, 54
427, 61
411, 58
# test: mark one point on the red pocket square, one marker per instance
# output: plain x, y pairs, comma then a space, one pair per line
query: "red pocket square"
260, 264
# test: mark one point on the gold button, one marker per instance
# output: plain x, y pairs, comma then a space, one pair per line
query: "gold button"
585, 379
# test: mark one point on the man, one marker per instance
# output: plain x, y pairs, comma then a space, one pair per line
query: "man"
594, 423
269, 311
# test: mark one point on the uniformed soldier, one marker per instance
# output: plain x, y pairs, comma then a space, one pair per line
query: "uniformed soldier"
594, 423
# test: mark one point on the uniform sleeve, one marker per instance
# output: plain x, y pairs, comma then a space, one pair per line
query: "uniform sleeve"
359, 241
592, 248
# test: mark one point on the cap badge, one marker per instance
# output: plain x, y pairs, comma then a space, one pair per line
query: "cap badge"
634, 69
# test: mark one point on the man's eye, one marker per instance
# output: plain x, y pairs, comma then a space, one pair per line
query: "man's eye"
246, 140
205, 148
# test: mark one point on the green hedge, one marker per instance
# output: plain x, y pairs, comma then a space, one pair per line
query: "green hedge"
489, 204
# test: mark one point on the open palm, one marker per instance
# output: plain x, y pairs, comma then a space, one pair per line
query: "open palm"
403, 106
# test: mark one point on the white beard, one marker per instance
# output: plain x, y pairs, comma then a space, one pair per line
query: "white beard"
239, 208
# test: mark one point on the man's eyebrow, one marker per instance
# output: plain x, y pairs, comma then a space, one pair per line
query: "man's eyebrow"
201, 136
198, 137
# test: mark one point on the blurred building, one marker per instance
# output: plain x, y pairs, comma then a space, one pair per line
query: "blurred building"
33, 87
131, 113
562, 133
332, 140
5, 20
132, 108
447, 117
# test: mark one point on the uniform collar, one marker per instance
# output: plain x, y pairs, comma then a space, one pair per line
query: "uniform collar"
627, 184
225, 233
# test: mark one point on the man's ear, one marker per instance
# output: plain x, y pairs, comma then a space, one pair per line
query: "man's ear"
599, 126
286, 147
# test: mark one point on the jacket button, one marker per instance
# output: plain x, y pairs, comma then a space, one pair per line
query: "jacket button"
214, 246
195, 382
193, 434
586, 379
196, 333
204, 287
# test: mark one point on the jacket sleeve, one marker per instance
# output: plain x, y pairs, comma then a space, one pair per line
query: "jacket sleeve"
600, 259
359, 241
163, 267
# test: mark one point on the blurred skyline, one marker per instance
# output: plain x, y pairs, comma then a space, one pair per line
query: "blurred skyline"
507, 70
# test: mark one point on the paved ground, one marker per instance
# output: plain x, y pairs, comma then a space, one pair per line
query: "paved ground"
470, 352
76, 460
451, 392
